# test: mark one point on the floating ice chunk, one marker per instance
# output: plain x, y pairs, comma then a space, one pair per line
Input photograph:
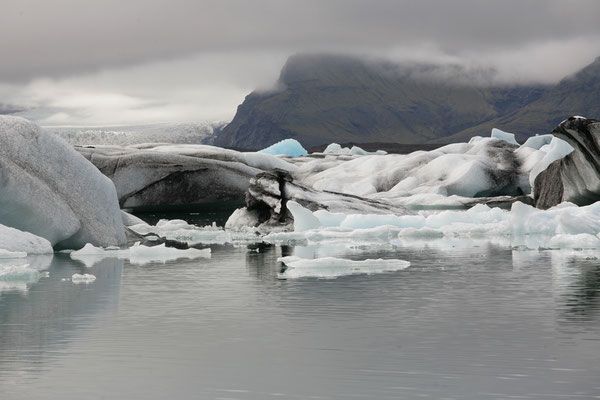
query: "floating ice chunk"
83, 278
335, 148
17, 277
12, 254
177, 229
304, 219
507, 137
139, 254
14, 240
331, 267
287, 147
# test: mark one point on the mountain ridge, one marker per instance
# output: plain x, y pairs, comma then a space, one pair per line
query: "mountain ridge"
336, 98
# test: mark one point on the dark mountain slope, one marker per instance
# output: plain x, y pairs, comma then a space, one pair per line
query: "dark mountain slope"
578, 94
331, 98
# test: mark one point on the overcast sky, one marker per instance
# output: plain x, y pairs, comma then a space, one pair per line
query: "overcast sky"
106, 62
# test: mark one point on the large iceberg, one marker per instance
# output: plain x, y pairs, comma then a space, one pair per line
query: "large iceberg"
159, 176
576, 176
50, 190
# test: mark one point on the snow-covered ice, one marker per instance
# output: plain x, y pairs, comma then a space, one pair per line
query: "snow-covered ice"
331, 267
286, 147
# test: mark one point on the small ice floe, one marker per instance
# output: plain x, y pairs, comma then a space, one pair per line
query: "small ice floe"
137, 254
83, 278
180, 230
331, 267
17, 277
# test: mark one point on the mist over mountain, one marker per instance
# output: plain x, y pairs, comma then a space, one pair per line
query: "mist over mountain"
324, 98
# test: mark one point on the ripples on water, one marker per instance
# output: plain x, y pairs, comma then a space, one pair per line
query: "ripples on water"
461, 323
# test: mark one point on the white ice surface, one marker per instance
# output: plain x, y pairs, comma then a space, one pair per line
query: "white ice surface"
286, 147
83, 278
14, 240
17, 277
448, 176
137, 254
180, 230
508, 137
331, 267
563, 226
335, 148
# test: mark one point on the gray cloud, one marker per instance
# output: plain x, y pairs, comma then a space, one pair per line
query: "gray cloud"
114, 61
64, 36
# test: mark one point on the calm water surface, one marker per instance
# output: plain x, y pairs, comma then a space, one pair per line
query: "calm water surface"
460, 323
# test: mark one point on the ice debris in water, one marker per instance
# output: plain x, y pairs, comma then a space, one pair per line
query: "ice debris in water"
137, 254
17, 277
563, 226
286, 147
83, 278
331, 267
177, 229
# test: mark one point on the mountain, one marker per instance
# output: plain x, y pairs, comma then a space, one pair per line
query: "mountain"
334, 98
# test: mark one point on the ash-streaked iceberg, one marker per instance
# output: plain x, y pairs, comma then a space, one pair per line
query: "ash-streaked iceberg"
164, 176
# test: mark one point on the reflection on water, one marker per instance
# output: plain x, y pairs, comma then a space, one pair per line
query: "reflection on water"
465, 321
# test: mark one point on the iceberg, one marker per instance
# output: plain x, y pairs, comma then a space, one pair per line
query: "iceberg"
331, 267
286, 147
51, 191
574, 177
162, 176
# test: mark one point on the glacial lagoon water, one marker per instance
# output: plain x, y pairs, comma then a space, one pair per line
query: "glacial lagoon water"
474, 321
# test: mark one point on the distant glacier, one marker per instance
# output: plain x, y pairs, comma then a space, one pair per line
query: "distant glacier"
203, 132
